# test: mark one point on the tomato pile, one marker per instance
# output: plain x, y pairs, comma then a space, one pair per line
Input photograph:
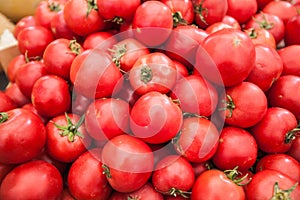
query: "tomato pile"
169, 99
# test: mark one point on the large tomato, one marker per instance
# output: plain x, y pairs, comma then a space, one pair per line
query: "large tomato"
101, 40
242, 11
6, 103
289, 56
292, 30
261, 36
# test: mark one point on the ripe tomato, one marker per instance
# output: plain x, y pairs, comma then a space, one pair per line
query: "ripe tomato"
216, 27
86, 179
231, 21
289, 56
4, 170
274, 133
173, 175
23, 23
285, 93
23, 136
228, 67
22, 181
6, 103
127, 93
50, 96
294, 151
197, 140
13, 91
181, 69
106, 118
155, 118
101, 40
14, 64
237, 147
64, 51
271, 184
215, 185
238, 109
153, 72
268, 67
261, 36
242, 11
152, 23
292, 30
128, 163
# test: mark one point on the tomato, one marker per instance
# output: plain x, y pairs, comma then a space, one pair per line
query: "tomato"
28, 74
22, 182
237, 147
274, 133
127, 93
216, 27
239, 109
197, 140
13, 91
201, 98
6, 103
82, 17
101, 40
285, 93
126, 52
283, 163
50, 96
268, 67
283, 9
24, 22
270, 22
86, 179
288, 56
261, 3
128, 163
261, 36
242, 11
295, 149
226, 57
104, 77
66, 195
215, 185
231, 21
183, 11
14, 64
31, 108
173, 175
4, 170
23, 136
106, 118
181, 69
269, 184
59, 55
152, 23
79, 103
146, 192
292, 30
33, 40
155, 118
118, 12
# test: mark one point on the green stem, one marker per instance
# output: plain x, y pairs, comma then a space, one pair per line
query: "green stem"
201, 11
106, 171
279, 194
178, 19
3, 117
146, 74
92, 5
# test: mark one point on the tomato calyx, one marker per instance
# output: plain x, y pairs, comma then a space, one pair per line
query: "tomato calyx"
29, 59
3, 117
252, 33
178, 19
117, 52
232, 174
279, 194
75, 47
54, 6
229, 105
292, 134
116, 20
106, 171
146, 74
92, 5
201, 11
70, 130
264, 23
176, 192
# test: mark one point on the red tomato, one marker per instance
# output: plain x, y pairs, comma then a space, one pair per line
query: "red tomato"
22, 181
274, 133
127, 93
173, 175
79, 103
226, 57
261, 3
198, 139
6, 103
86, 179
285, 93
216, 27
289, 55
50, 96
283, 9
101, 40
195, 95
14, 64
261, 36
153, 72
237, 148
13, 91
31, 108
268, 67
4, 170
82, 17
59, 55
209, 12
215, 185
24, 22
242, 11
292, 30
231, 21
104, 77
269, 184
22, 137
155, 118
294, 151
106, 118
238, 107
283, 163
128, 163
33, 40
152, 23
181, 69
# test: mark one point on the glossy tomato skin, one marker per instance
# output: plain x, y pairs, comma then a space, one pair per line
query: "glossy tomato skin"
283, 9
242, 11
295, 149
214, 185
237, 147
86, 179
155, 118
50, 96
100, 39
290, 64
6, 103
261, 36
198, 140
23, 23
13, 91
271, 132
262, 185
283, 163
23, 136
213, 64
285, 93
292, 30
22, 182
129, 163
4, 170
14, 64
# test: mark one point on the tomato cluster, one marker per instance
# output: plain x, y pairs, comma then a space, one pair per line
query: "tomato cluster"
170, 99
